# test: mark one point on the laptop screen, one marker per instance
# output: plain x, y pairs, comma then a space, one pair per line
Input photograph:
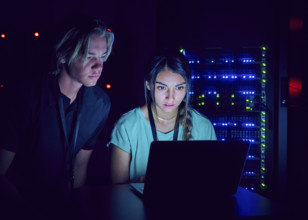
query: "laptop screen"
189, 168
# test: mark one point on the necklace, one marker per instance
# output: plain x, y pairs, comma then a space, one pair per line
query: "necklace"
162, 119
153, 127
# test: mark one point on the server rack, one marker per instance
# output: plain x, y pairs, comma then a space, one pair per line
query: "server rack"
229, 87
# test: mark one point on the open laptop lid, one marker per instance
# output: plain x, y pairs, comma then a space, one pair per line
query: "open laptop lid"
194, 168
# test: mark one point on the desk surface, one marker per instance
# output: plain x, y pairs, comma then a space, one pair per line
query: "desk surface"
119, 202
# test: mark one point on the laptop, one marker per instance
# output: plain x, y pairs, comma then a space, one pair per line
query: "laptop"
180, 170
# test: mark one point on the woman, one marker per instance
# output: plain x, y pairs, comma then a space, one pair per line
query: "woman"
167, 115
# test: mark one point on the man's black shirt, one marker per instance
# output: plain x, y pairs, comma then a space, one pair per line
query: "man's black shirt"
31, 127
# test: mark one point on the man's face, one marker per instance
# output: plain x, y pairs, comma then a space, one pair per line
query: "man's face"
87, 72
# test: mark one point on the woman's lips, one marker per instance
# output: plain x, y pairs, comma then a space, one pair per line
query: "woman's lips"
168, 105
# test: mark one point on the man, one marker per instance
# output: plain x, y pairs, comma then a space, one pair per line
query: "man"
48, 135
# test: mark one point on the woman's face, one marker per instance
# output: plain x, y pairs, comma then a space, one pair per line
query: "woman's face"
170, 90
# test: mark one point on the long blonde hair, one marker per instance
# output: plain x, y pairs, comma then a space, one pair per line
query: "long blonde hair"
74, 44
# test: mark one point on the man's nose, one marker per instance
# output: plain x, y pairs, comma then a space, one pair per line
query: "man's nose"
98, 64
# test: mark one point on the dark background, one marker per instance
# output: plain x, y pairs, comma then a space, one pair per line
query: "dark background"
140, 27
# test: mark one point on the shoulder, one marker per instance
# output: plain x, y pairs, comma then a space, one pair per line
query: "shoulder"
96, 94
130, 121
199, 117
202, 127
32, 91
130, 117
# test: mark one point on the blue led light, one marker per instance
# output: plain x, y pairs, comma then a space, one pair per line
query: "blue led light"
247, 92
195, 77
224, 124
247, 60
249, 124
250, 140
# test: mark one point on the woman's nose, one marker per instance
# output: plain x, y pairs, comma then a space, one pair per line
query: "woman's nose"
170, 94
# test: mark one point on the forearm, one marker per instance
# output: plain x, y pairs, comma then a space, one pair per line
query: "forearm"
80, 176
120, 164
81, 167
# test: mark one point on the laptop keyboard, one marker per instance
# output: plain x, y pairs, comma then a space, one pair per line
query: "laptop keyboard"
139, 187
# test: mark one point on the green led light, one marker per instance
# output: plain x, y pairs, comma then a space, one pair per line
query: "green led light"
264, 80
217, 95
263, 137
263, 64
263, 120
263, 71
262, 177
263, 145
202, 95
232, 96
232, 103
263, 186
263, 169
263, 47
247, 100
217, 103
251, 101
181, 50
263, 113
202, 103
263, 129
199, 104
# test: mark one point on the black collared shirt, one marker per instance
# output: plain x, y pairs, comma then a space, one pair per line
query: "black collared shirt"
31, 127
70, 110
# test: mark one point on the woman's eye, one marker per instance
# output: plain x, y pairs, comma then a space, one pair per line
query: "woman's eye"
160, 87
180, 87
